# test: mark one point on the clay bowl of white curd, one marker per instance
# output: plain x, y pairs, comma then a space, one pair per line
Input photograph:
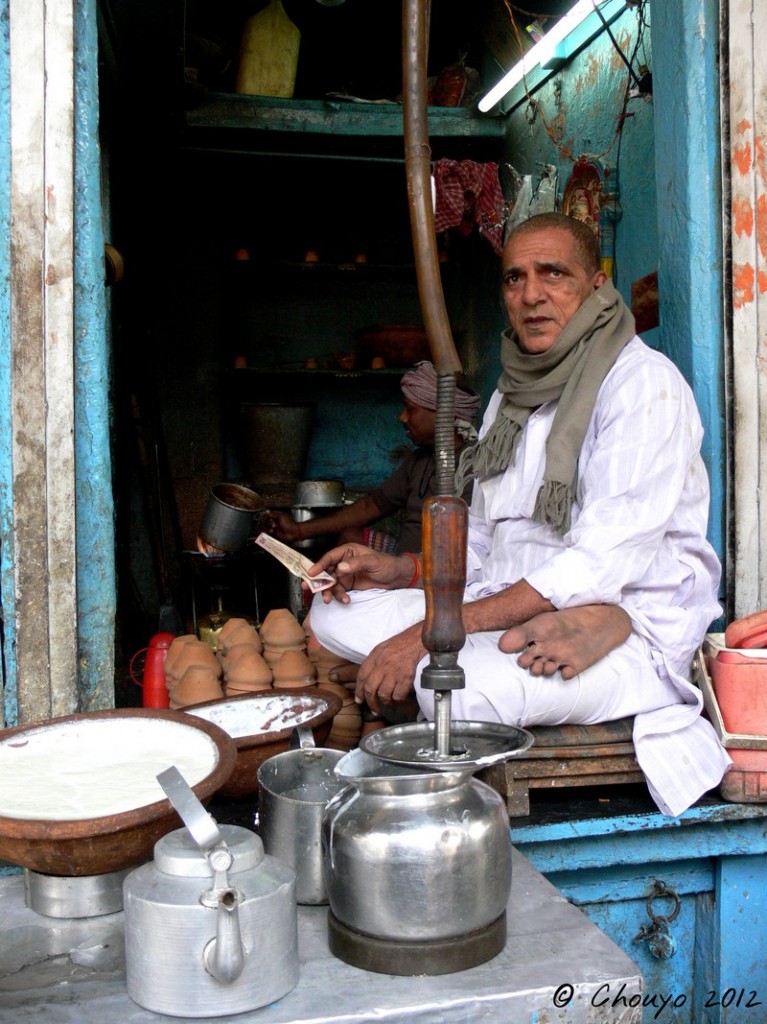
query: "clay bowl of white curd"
262, 724
79, 794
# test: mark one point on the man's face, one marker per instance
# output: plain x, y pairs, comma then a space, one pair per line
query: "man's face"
544, 285
419, 423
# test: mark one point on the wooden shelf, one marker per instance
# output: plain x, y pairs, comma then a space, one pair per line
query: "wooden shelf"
363, 271
229, 122
364, 373
333, 117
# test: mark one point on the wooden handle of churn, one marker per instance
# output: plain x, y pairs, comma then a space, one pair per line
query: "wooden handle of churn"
445, 524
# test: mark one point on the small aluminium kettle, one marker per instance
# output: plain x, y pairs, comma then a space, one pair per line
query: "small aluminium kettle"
204, 919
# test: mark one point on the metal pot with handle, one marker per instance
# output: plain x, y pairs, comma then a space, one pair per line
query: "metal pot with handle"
211, 924
294, 788
417, 868
229, 516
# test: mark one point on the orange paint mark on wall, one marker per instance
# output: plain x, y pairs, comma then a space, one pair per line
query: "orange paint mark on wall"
741, 156
742, 127
761, 225
759, 157
762, 282
742, 216
743, 278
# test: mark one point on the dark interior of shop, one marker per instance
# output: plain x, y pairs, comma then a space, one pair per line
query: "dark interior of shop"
214, 222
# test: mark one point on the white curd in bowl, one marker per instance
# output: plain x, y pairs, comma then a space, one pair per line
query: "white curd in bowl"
91, 768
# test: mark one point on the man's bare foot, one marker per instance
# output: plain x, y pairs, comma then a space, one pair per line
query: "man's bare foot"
570, 640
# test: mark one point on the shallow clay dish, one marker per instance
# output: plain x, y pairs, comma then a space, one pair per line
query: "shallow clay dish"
135, 741
261, 725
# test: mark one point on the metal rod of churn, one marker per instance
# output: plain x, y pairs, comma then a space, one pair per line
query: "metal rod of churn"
442, 716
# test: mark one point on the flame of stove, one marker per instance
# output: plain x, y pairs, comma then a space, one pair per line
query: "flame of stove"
207, 549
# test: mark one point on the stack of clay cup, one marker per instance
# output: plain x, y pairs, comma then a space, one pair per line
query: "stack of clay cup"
347, 724
192, 672
285, 650
239, 650
294, 671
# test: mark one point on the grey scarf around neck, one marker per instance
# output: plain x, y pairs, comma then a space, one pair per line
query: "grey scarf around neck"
572, 370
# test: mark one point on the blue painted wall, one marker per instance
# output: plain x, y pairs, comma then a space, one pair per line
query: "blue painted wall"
580, 113
576, 112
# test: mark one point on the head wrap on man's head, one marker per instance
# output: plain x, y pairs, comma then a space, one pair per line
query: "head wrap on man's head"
419, 386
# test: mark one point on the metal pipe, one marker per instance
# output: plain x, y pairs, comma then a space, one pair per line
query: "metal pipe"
418, 171
444, 515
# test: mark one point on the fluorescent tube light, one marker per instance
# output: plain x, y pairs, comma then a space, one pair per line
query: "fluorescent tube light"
542, 53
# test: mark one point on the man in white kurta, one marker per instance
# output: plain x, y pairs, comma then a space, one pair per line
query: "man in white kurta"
635, 539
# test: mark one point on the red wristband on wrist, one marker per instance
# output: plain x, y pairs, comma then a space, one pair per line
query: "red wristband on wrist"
417, 572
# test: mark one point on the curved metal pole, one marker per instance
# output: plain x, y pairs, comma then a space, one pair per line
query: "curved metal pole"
418, 170
444, 515
415, 16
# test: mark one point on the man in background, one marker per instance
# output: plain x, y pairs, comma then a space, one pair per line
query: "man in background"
405, 490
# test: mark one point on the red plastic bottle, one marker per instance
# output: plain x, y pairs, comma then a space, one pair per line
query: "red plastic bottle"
153, 682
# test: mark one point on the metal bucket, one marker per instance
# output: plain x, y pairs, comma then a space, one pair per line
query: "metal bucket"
229, 516
275, 441
313, 498
319, 494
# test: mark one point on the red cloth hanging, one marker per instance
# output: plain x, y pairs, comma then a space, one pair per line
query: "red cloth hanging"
469, 193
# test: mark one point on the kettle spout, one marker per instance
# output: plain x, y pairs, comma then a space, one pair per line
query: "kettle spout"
224, 956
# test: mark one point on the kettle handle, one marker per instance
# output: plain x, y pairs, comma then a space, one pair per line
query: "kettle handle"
201, 825
301, 738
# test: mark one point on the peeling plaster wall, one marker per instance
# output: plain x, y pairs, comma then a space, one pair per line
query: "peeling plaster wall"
92, 514
746, 279
7, 666
668, 183
581, 105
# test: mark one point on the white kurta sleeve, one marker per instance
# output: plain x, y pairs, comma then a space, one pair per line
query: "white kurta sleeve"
642, 491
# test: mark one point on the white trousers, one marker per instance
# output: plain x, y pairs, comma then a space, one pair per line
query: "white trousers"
624, 683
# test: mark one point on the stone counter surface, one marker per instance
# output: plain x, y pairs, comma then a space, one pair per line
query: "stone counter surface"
556, 968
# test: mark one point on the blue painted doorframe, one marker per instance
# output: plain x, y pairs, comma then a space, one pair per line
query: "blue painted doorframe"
688, 179
93, 512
